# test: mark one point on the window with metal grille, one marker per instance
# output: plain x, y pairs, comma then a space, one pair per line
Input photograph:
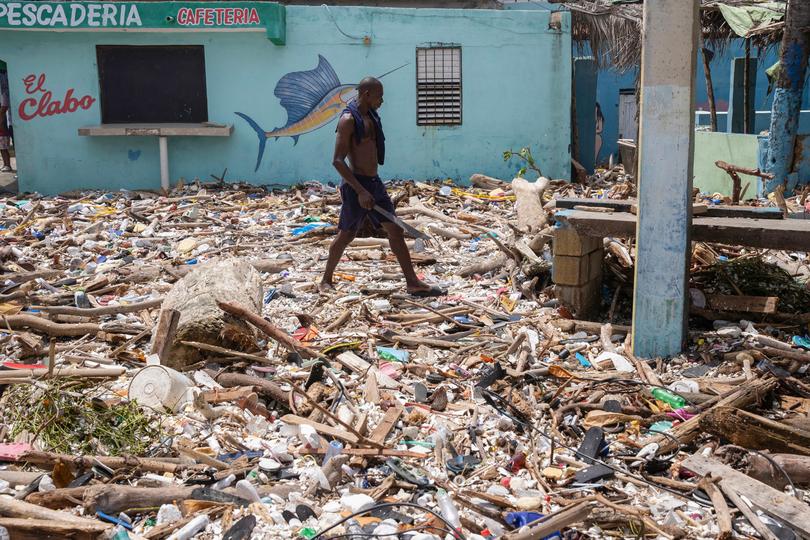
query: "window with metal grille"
438, 86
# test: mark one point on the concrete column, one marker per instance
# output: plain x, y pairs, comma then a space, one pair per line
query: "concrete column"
736, 96
666, 140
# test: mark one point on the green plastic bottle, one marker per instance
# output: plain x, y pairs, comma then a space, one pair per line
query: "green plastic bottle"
307, 532
674, 401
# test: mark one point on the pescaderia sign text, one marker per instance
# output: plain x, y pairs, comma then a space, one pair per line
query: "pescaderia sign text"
18, 14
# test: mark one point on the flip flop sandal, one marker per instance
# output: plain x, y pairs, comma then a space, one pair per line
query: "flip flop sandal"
409, 473
433, 291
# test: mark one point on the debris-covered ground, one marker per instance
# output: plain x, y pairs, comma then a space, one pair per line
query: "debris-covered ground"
171, 371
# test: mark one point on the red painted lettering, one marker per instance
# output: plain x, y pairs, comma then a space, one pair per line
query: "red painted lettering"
209, 17
30, 108
54, 107
229, 16
182, 16
237, 16
22, 113
198, 15
219, 12
71, 104
254, 16
29, 83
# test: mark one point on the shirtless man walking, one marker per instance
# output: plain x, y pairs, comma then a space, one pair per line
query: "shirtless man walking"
360, 138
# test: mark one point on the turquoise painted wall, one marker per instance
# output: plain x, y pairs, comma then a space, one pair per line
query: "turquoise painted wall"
611, 82
516, 92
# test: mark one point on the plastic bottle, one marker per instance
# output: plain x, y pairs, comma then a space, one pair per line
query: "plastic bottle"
246, 490
448, 508
334, 449
225, 482
674, 401
120, 533
193, 527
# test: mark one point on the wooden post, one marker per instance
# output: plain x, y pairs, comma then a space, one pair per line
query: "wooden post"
747, 120
707, 71
670, 38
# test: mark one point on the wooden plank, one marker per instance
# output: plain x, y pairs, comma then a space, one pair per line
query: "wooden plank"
787, 234
745, 304
352, 362
771, 501
323, 429
164, 333
624, 205
388, 422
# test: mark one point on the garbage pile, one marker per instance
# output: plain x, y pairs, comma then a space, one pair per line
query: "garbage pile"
171, 370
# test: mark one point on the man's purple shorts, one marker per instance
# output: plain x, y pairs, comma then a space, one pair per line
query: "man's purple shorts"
352, 214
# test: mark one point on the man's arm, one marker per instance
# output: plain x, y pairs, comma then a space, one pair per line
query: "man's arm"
342, 145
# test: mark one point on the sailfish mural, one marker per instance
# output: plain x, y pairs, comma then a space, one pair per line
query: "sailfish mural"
312, 99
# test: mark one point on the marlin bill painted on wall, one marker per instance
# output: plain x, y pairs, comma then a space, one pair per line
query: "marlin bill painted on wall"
312, 99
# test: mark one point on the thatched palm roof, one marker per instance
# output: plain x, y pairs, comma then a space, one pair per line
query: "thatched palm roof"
613, 28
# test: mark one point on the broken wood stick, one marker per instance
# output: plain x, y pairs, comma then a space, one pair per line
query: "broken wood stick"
46, 529
323, 429
10, 507
340, 321
487, 182
48, 459
276, 333
795, 354
448, 233
720, 507
110, 498
230, 352
39, 324
100, 311
262, 386
93, 373
488, 265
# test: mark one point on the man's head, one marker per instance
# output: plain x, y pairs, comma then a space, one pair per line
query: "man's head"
370, 92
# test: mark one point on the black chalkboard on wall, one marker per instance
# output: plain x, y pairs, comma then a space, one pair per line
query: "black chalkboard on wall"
152, 84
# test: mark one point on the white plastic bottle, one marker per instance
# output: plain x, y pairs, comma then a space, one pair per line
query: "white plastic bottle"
448, 508
194, 526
